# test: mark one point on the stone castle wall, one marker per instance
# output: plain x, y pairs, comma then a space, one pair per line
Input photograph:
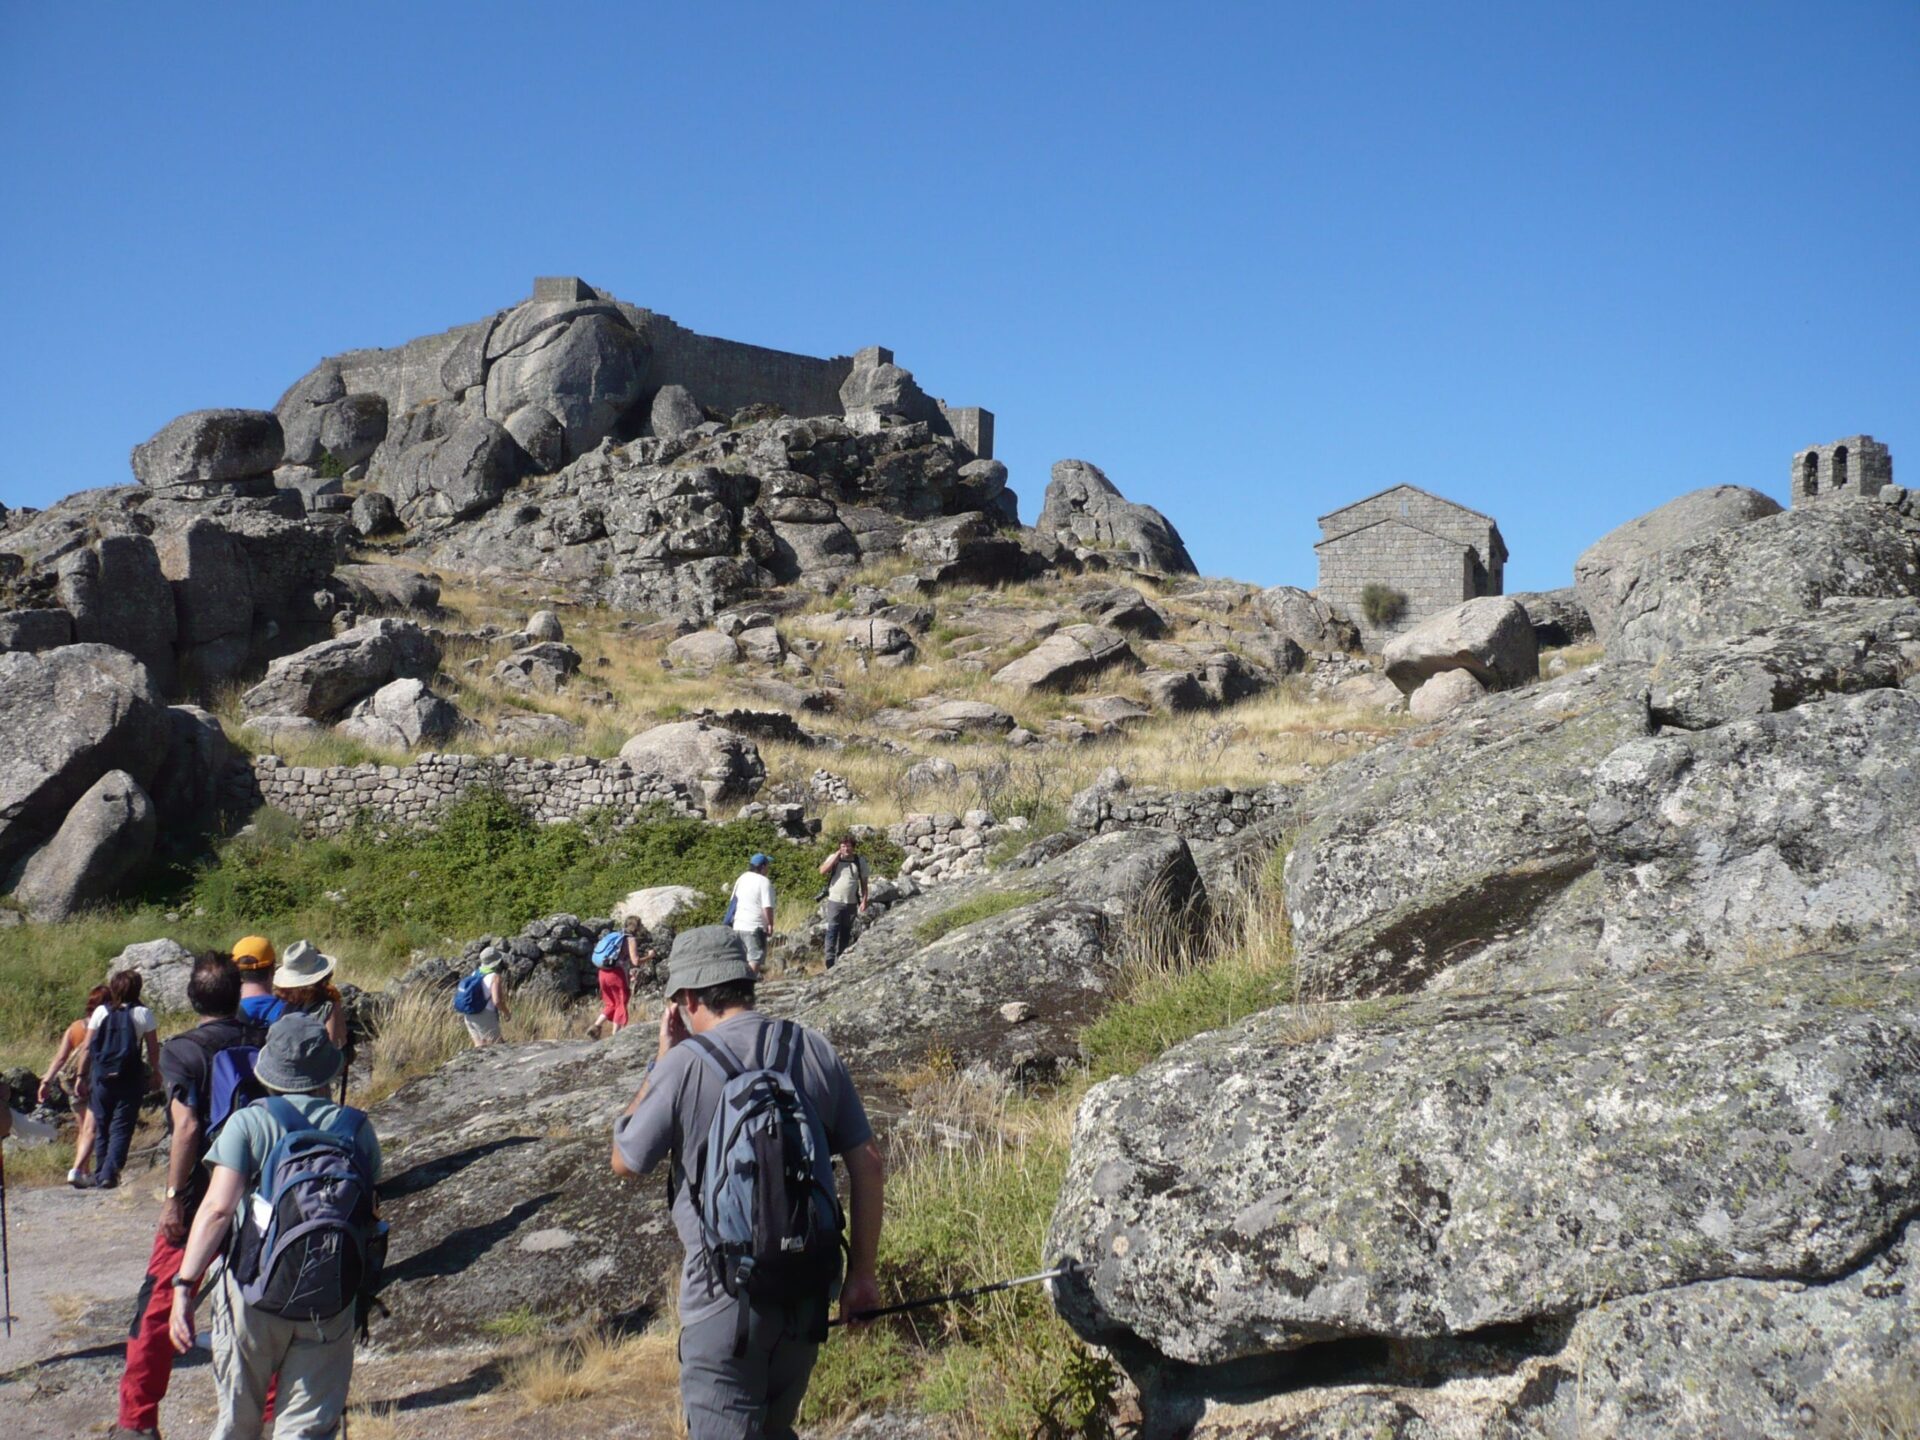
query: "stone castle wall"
727, 375
325, 800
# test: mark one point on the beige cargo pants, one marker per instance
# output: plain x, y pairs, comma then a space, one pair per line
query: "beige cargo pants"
313, 1358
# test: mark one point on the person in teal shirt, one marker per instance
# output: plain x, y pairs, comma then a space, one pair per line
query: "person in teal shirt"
313, 1358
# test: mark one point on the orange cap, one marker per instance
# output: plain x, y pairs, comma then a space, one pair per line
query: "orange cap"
255, 953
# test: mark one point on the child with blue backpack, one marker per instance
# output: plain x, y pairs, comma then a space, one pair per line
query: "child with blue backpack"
480, 1000
299, 1171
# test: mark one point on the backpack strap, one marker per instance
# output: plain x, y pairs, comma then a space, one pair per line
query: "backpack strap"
786, 1054
718, 1057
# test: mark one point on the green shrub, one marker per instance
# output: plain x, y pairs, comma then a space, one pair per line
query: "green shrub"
1382, 604
981, 907
329, 467
374, 896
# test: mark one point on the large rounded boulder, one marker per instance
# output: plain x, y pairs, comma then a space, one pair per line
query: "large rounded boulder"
208, 447
1606, 571
721, 765
67, 717
1490, 638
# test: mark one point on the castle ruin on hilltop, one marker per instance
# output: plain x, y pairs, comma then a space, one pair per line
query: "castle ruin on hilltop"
575, 348
1429, 551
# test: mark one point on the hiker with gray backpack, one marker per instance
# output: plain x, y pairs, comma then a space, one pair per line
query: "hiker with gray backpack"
208, 1075
302, 1264
750, 1112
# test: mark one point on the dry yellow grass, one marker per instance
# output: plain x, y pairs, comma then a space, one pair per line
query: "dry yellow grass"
641, 1372
625, 686
421, 1032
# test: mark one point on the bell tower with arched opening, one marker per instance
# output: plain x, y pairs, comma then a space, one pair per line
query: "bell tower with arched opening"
1855, 468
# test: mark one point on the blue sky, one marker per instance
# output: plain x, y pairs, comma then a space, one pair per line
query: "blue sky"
1558, 263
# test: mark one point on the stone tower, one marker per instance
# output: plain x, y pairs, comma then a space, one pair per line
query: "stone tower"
1855, 467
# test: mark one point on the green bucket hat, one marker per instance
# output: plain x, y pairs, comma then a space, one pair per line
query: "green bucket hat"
706, 955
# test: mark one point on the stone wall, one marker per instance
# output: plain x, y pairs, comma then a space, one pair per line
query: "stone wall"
1191, 814
727, 375
326, 799
1433, 573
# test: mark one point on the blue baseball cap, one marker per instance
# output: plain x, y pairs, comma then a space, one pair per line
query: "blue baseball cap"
760, 859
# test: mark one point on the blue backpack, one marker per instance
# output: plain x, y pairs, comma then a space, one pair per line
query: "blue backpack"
606, 950
231, 1085
770, 1217
470, 995
310, 1244
115, 1046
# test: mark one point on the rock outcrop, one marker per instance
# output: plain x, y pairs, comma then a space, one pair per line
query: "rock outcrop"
1762, 573
1086, 511
1607, 570
1067, 656
1416, 854
1733, 843
1306, 619
322, 681
209, 448
722, 766
1458, 1164
927, 976
68, 717
106, 837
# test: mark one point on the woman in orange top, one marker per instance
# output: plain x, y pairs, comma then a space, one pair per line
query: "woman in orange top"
73, 1053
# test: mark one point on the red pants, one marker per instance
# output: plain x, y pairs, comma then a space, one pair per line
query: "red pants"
149, 1348
613, 996
150, 1353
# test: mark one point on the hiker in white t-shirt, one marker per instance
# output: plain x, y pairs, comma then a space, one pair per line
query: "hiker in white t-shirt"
123, 1063
752, 910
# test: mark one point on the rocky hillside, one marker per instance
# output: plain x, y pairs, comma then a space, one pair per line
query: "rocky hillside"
1631, 1149
1511, 1033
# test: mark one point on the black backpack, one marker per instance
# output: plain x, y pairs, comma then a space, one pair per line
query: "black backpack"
116, 1046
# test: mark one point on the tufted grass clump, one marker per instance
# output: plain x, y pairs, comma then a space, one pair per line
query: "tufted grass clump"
1180, 984
969, 912
1382, 604
971, 1189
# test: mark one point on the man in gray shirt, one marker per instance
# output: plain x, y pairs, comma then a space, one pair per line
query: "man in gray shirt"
743, 1379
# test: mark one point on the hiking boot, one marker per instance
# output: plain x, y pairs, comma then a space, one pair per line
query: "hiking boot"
120, 1432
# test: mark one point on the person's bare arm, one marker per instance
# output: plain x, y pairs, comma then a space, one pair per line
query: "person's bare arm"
182, 1156
867, 1180
826, 865
208, 1236
337, 1025
673, 1029
154, 1082
66, 1052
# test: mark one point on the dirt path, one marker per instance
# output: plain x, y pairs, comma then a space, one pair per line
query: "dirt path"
77, 1259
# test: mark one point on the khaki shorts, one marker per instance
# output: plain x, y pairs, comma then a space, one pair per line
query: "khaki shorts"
484, 1027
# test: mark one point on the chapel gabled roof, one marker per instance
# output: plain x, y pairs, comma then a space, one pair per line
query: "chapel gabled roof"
1403, 485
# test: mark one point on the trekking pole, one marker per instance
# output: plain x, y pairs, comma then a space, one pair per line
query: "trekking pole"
6, 1263
929, 1300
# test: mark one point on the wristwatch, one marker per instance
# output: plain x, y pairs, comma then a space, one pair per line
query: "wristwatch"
180, 1282
173, 1192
